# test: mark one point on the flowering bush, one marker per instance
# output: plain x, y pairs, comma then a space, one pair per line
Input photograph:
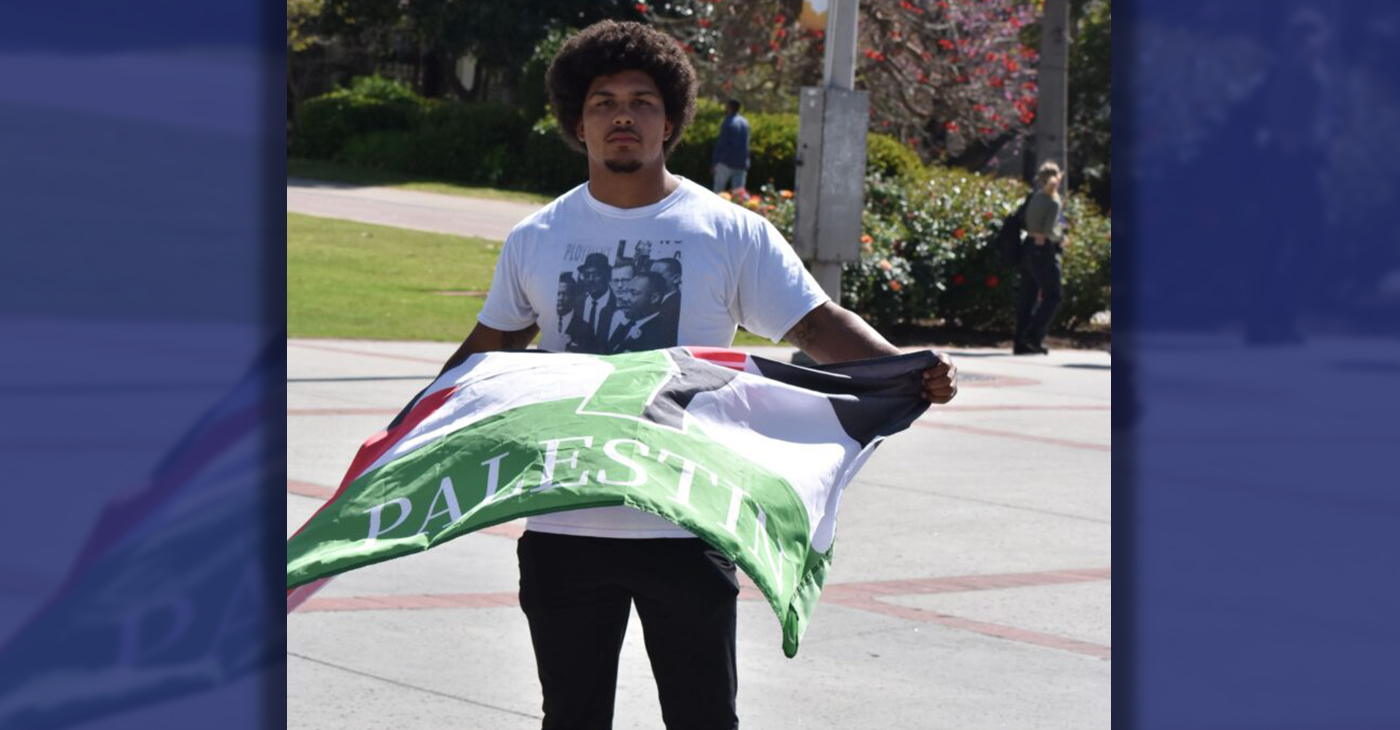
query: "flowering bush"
954, 79
926, 252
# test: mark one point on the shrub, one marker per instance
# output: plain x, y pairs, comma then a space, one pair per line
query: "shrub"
370, 104
887, 157
548, 164
773, 149
926, 252
475, 140
469, 143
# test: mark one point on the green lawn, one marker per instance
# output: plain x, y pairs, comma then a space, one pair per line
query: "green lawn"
336, 172
356, 280
362, 281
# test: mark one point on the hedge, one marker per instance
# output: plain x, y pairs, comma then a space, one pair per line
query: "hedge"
325, 124
380, 124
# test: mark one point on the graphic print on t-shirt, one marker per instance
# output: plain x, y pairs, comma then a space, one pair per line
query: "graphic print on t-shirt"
620, 298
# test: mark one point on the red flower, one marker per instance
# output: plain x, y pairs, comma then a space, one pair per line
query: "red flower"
950, 126
641, 7
704, 23
896, 286
945, 44
992, 281
959, 233
987, 214
958, 279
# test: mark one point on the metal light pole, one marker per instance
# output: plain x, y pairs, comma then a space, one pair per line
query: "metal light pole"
1052, 108
832, 123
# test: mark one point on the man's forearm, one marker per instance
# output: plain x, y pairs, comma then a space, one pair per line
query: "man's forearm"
487, 339
830, 333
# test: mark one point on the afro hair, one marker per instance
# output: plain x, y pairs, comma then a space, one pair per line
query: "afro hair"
610, 47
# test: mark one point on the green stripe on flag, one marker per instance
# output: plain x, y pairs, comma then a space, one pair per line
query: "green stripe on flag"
571, 454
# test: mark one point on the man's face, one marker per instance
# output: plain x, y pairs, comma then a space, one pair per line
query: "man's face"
669, 272
624, 121
593, 280
642, 298
565, 299
620, 276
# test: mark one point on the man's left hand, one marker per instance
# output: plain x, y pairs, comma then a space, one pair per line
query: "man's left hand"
941, 381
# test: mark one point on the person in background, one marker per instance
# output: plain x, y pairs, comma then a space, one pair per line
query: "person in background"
1039, 289
730, 162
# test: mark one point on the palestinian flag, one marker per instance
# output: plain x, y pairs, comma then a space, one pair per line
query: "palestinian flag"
750, 454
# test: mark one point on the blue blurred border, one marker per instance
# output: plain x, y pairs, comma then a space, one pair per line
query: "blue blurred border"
142, 306
1257, 310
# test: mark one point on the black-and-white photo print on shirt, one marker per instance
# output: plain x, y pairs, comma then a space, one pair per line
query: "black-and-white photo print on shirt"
620, 298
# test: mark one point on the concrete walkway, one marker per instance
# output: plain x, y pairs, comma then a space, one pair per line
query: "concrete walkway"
432, 212
971, 587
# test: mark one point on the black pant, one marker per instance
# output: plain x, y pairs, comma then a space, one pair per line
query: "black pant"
1040, 292
577, 592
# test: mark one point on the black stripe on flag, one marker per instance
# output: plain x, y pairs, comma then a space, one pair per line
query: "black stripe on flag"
872, 398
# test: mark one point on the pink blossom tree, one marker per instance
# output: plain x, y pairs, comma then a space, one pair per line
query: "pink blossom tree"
954, 79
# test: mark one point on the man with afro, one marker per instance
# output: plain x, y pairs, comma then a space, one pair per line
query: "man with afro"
623, 94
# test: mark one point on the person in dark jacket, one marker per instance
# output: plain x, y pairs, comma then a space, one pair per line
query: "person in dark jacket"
730, 162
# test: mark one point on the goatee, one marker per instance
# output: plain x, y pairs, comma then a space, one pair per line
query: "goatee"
623, 165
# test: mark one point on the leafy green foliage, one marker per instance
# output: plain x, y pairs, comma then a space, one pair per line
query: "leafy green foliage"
370, 104
926, 252
1090, 132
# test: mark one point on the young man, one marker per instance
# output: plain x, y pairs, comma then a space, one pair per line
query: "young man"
729, 163
623, 94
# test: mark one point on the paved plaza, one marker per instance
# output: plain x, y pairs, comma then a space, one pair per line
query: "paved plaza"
971, 586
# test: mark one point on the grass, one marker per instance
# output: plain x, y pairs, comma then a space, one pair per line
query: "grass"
352, 175
360, 281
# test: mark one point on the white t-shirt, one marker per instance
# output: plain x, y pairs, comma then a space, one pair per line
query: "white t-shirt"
726, 265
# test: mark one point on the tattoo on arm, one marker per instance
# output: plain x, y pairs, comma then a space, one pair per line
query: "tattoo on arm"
804, 332
832, 334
